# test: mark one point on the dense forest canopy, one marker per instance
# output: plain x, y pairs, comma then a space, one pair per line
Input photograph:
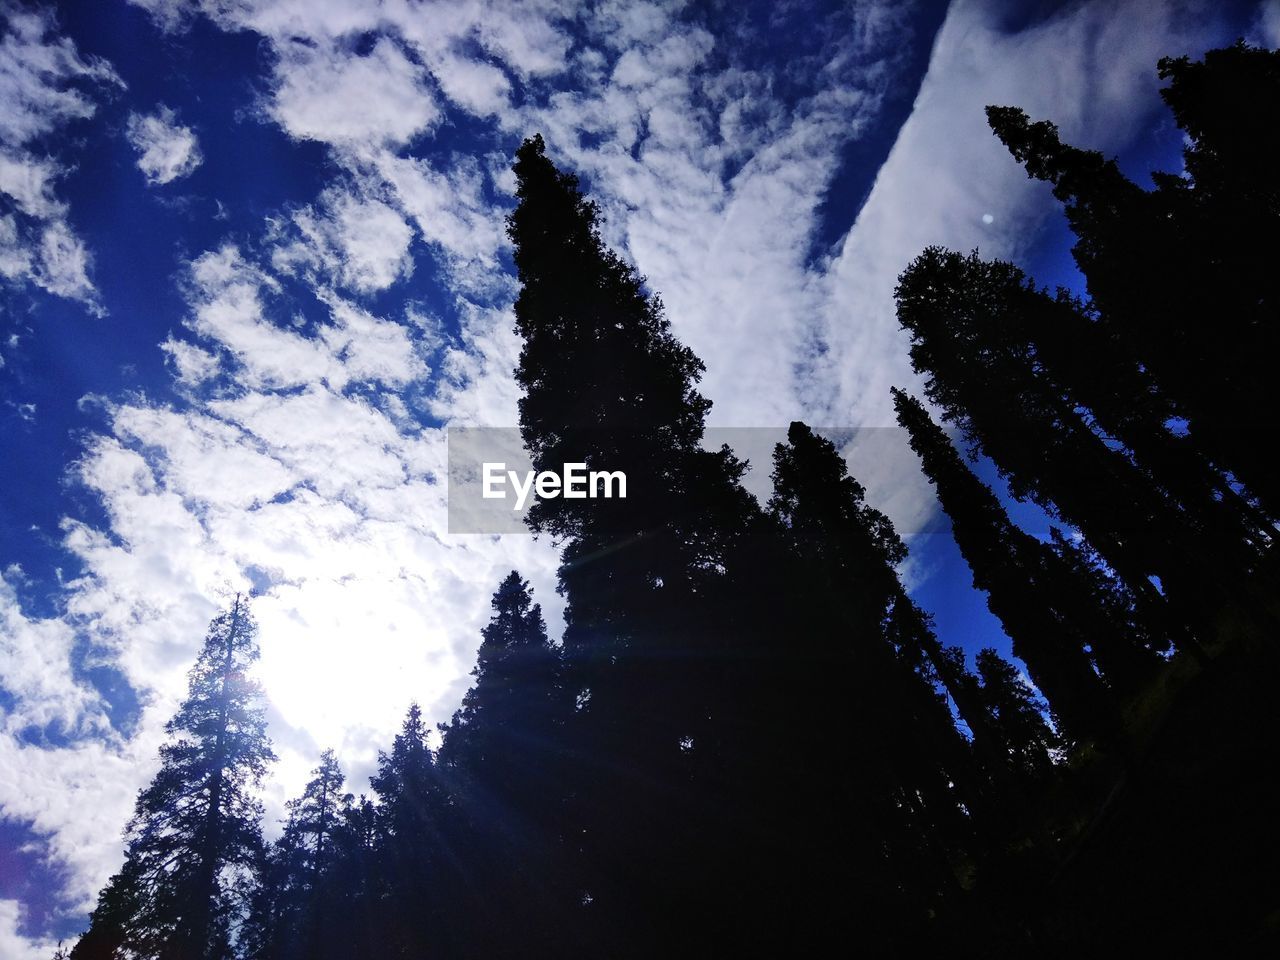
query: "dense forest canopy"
750, 740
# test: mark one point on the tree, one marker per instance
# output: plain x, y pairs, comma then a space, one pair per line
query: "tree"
711, 757
194, 838
1160, 263
503, 762
606, 383
293, 911
1022, 581
421, 874
510, 717
1013, 708
1126, 649
846, 556
969, 322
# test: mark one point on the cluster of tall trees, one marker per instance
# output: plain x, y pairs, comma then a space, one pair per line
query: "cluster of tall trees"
749, 740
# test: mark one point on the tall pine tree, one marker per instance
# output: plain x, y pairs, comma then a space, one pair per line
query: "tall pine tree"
606, 383
713, 757
416, 868
195, 837
504, 763
846, 555
294, 908
966, 319
1024, 584
1182, 275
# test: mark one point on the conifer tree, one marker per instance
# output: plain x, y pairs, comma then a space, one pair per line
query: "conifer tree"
1014, 709
509, 718
1160, 262
847, 554
605, 383
1018, 574
972, 325
414, 866
194, 838
965, 316
1126, 649
503, 762
293, 911
712, 758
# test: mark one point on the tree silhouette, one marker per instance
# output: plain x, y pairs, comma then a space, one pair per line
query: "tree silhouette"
293, 911
967, 319
503, 762
194, 838
415, 867
1013, 708
1021, 579
846, 557
606, 384
1159, 262
687, 595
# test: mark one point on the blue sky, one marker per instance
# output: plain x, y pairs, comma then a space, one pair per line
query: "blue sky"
252, 266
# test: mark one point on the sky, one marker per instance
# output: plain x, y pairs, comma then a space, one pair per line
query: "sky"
253, 267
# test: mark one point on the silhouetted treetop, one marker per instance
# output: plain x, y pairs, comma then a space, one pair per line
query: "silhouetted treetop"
194, 838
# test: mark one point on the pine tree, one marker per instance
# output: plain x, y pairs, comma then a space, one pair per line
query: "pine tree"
1013, 708
1022, 582
510, 716
417, 868
1126, 649
293, 911
711, 757
605, 383
503, 762
315, 817
847, 553
194, 839
1160, 262
966, 318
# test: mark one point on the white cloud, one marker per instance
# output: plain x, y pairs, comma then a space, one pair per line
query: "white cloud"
226, 298
14, 946
15, 257
37, 72
35, 667
359, 241
325, 92
452, 214
86, 795
167, 150
1267, 28
479, 88
43, 79
29, 183
192, 365
295, 452
371, 349
63, 263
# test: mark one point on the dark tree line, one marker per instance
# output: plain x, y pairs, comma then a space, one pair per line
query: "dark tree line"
750, 740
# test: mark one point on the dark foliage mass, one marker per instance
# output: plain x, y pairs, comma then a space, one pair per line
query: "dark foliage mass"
750, 740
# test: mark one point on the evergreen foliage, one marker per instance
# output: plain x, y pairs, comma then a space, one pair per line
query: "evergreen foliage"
194, 840
751, 740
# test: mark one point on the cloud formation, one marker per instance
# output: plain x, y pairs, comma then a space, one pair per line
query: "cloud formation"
302, 454
167, 150
44, 84
15, 946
